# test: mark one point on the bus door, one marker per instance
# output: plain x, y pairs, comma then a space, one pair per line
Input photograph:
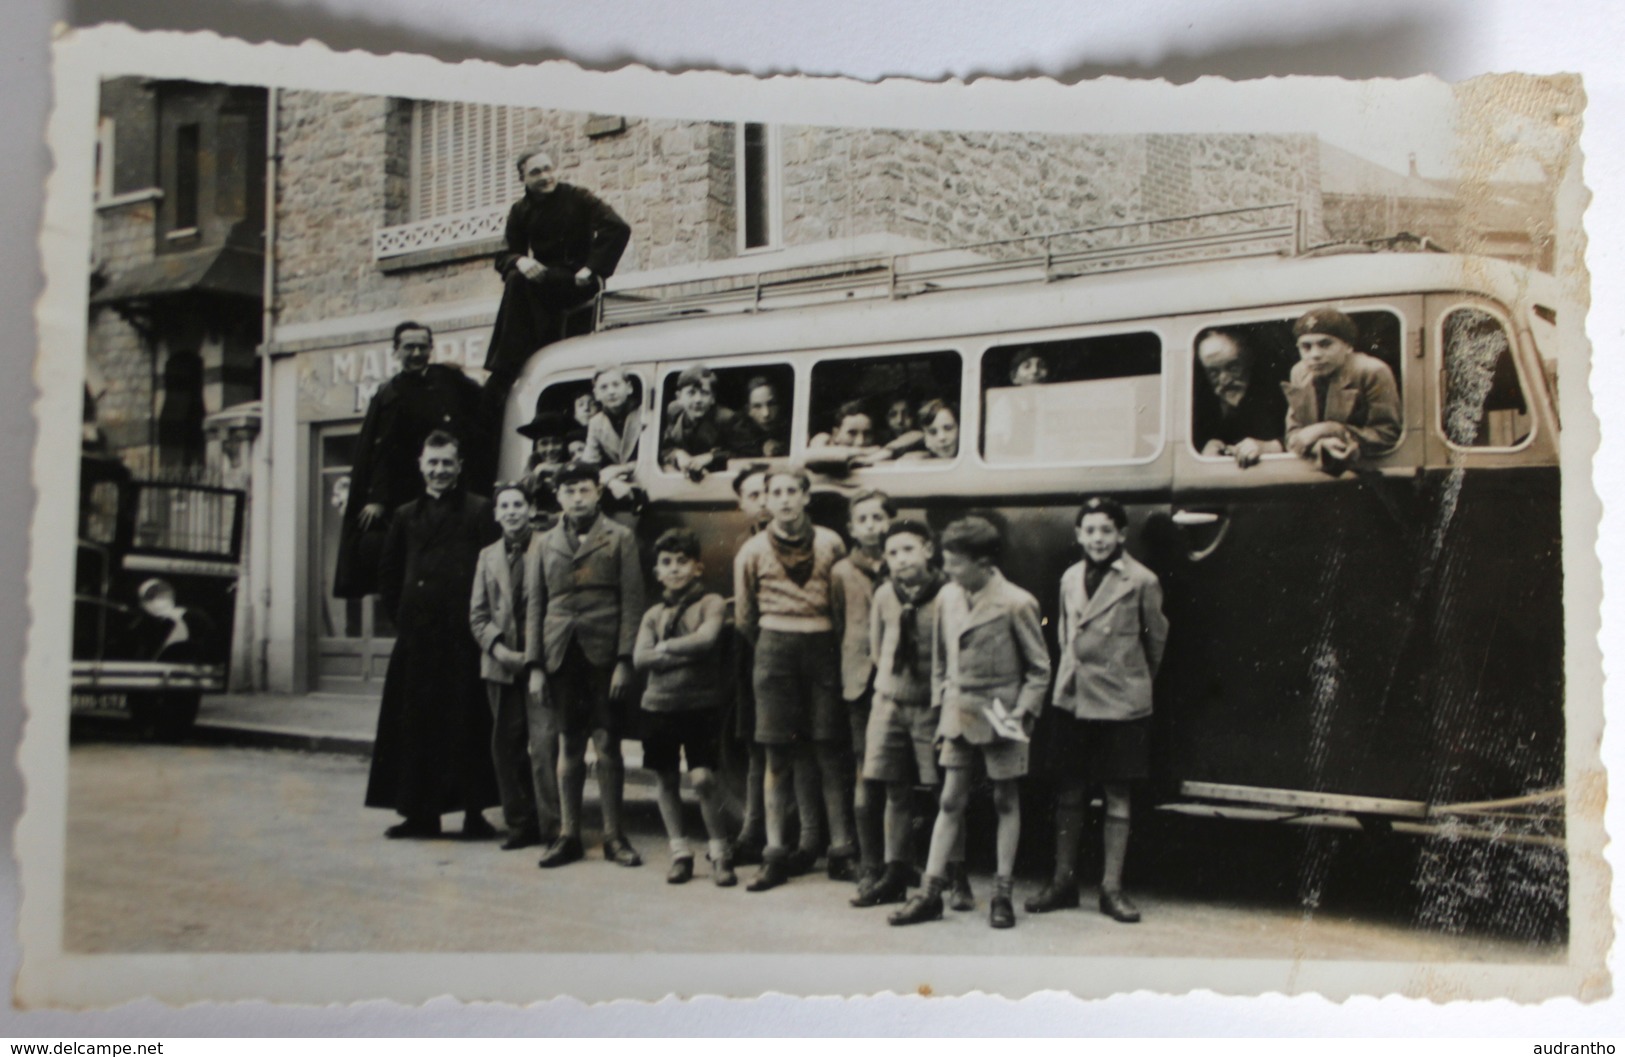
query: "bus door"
1492, 563
1288, 680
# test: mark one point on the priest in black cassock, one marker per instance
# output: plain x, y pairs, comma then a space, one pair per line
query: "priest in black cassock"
420, 399
562, 242
432, 754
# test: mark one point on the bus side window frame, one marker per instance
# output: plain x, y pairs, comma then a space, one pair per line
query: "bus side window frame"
1411, 400
974, 372
804, 428
1436, 410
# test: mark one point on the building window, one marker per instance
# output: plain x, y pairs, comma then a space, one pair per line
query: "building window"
463, 177
186, 179
758, 167
463, 158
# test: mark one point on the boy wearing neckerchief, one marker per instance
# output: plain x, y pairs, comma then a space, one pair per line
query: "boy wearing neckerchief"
1112, 632
783, 603
680, 650
898, 748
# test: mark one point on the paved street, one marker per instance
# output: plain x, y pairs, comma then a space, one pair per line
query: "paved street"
198, 848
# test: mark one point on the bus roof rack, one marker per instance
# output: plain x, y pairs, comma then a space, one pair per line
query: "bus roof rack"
1276, 229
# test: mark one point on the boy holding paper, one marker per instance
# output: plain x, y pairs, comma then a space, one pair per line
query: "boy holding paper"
990, 670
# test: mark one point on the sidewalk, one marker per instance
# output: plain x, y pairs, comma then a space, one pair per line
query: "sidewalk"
335, 723
343, 724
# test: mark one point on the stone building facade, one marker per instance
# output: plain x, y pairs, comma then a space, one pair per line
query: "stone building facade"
374, 225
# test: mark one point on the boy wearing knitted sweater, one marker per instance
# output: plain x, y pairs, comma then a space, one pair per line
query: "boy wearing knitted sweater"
783, 603
679, 649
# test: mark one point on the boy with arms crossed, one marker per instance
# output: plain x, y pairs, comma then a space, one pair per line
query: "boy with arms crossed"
783, 603
1112, 633
680, 650
989, 657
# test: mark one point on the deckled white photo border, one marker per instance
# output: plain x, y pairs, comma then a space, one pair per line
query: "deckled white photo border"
51, 977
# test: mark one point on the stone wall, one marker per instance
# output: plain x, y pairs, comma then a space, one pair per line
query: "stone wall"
344, 173
345, 166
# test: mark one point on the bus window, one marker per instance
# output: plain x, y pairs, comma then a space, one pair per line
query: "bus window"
732, 413
1078, 400
874, 405
1484, 405
1237, 370
562, 412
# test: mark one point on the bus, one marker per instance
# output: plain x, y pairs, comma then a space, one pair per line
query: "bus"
1378, 648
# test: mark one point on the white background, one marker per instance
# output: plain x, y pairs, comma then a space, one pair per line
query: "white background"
868, 39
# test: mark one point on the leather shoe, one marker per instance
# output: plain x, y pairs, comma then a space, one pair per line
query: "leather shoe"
561, 852
800, 862
772, 874
1000, 913
1057, 895
682, 870
890, 887
1118, 907
476, 828
925, 906
960, 896
841, 866
746, 852
414, 829
522, 838
619, 851
722, 873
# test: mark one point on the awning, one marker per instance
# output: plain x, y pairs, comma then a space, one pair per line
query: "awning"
229, 270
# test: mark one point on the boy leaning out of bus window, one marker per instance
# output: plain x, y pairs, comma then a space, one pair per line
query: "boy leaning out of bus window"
699, 436
990, 669
1342, 405
679, 649
1112, 632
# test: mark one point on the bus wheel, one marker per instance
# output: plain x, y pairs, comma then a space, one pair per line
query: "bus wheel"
165, 716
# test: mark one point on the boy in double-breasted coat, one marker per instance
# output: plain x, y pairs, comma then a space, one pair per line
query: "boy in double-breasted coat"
989, 656
1112, 633
593, 591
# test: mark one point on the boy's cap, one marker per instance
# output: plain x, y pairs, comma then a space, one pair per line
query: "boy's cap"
545, 424
575, 471
1326, 320
696, 375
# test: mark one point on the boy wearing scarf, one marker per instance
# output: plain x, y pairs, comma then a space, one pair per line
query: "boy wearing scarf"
680, 651
783, 602
898, 749
1112, 632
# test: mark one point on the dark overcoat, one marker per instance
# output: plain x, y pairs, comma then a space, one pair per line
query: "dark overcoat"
402, 414
432, 754
566, 230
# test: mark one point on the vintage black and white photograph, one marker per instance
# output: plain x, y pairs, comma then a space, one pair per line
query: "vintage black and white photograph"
535, 533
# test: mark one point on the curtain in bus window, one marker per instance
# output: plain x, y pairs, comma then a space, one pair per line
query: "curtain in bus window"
1073, 401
